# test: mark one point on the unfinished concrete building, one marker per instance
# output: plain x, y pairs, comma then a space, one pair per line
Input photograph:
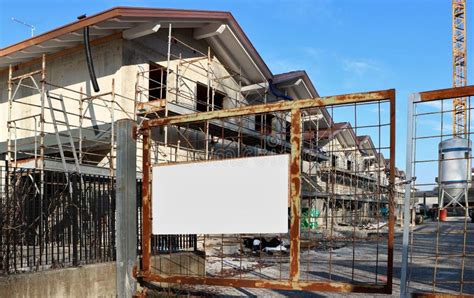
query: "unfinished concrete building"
153, 63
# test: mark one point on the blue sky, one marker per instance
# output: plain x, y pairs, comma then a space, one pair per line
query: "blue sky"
345, 46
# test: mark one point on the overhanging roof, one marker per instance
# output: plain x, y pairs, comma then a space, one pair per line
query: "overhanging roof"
367, 145
119, 19
295, 79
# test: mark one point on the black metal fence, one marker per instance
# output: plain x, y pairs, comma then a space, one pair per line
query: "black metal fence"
71, 224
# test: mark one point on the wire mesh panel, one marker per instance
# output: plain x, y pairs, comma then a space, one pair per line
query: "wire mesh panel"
438, 229
340, 204
345, 198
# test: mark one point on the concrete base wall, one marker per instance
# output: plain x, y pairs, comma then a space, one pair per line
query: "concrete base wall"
184, 263
96, 280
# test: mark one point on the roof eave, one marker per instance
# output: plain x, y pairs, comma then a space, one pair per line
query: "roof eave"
145, 12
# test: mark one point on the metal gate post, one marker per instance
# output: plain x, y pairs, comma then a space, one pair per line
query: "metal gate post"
126, 204
414, 97
295, 194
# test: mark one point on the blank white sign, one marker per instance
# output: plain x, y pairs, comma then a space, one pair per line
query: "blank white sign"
245, 195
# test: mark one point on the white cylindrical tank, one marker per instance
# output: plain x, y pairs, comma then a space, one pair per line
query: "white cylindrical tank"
454, 166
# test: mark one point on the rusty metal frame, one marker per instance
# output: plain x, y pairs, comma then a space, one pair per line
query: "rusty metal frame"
293, 282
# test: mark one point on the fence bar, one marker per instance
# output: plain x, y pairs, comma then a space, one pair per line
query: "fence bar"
274, 107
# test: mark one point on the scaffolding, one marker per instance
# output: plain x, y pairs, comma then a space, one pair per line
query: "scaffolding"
174, 92
55, 127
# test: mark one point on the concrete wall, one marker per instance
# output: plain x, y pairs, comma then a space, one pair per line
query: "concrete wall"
96, 280
69, 71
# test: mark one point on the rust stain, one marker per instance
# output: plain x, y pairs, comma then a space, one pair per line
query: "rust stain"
270, 284
295, 194
391, 206
447, 93
134, 131
135, 271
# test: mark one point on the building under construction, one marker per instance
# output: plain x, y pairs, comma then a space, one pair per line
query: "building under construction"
61, 104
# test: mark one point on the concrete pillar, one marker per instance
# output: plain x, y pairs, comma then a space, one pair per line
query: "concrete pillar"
126, 206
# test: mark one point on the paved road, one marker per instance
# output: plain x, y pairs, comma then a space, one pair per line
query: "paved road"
449, 263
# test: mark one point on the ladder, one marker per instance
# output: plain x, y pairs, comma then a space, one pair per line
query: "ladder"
66, 133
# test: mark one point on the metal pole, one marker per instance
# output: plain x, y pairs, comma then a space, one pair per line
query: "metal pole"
42, 150
10, 107
126, 196
81, 121
42, 119
168, 64
208, 98
112, 130
414, 97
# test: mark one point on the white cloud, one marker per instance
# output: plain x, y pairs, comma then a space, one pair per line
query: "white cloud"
306, 59
360, 67
320, 11
312, 52
357, 74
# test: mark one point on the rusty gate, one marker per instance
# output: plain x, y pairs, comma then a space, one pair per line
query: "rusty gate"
341, 204
438, 253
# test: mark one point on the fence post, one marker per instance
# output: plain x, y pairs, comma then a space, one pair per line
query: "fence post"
407, 200
126, 204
